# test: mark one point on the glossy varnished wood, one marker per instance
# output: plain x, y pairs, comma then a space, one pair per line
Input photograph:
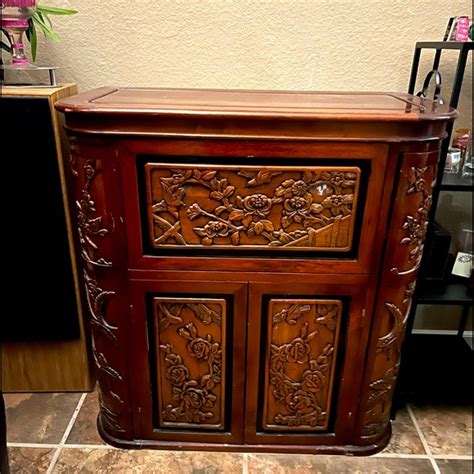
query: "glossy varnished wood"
211, 332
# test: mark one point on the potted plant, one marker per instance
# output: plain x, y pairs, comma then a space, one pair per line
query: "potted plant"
25, 16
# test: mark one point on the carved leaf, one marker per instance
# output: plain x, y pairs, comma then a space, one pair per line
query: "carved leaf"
235, 238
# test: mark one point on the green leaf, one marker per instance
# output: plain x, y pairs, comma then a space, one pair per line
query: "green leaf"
55, 11
44, 28
5, 47
33, 41
45, 19
7, 36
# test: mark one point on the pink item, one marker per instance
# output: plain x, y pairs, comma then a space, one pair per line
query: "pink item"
14, 20
462, 29
19, 3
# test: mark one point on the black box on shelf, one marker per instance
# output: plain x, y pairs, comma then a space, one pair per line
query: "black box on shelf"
436, 264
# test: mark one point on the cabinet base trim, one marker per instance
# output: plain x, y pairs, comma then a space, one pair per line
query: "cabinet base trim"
349, 450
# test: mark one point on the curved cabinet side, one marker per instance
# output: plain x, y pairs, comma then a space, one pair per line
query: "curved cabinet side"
95, 182
403, 255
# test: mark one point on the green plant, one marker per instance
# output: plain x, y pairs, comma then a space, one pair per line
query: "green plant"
41, 21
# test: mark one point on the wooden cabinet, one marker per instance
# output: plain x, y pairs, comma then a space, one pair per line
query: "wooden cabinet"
249, 260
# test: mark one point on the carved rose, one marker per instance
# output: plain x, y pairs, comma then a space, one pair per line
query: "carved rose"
297, 351
178, 374
193, 398
312, 381
257, 204
299, 401
199, 348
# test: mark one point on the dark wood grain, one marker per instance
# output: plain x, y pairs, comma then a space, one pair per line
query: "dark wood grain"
209, 335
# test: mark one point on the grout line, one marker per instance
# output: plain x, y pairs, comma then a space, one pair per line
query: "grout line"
459, 457
423, 440
245, 463
89, 446
32, 445
56, 454
401, 456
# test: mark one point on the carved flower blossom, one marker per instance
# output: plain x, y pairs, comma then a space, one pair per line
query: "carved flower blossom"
178, 374
199, 348
337, 203
257, 205
299, 401
212, 230
297, 351
290, 188
297, 208
313, 380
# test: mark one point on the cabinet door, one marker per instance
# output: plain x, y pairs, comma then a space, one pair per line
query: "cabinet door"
303, 341
190, 377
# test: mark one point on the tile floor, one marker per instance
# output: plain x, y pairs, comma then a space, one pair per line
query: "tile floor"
57, 433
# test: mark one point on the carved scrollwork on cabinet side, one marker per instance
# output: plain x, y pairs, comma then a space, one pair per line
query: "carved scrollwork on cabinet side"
402, 260
301, 355
89, 223
249, 208
190, 339
93, 232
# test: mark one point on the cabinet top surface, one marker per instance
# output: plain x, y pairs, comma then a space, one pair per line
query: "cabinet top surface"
352, 106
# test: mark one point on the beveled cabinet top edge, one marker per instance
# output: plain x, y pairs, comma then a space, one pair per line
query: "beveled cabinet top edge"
256, 104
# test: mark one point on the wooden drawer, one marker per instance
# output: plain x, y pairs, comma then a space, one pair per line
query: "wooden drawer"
193, 203
238, 208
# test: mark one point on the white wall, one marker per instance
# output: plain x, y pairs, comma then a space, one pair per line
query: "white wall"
267, 44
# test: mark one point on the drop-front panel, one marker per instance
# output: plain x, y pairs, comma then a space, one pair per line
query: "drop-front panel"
249, 260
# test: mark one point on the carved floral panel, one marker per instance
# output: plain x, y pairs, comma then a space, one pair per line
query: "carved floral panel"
190, 344
249, 207
300, 363
404, 254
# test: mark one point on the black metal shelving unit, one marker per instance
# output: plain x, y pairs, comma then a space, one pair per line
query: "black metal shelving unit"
446, 182
456, 292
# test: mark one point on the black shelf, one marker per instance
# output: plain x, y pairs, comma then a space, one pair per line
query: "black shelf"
455, 182
469, 45
455, 294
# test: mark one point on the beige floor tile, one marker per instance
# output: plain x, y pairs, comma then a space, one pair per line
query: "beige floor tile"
143, 461
447, 429
319, 464
454, 466
29, 460
405, 439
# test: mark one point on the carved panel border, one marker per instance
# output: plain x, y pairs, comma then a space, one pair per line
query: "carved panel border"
91, 232
250, 208
191, 351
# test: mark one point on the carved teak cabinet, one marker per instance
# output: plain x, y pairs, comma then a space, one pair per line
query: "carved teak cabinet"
248, 260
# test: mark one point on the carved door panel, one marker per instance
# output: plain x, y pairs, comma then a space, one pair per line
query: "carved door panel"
299, 333
194, 362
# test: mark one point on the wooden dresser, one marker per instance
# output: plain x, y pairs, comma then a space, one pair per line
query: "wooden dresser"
249, 259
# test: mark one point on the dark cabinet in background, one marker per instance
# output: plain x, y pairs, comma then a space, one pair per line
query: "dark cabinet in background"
42, 333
